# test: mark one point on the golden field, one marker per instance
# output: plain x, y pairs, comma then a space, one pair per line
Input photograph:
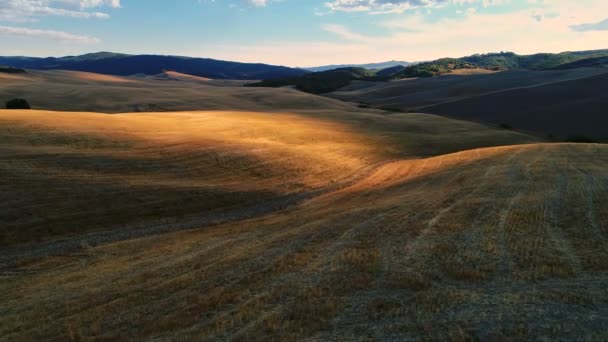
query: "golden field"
321, 222
497, 243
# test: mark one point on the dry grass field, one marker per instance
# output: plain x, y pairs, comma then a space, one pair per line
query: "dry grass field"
81, 91
64, 173
315, 221
414, 94
505, 243
575, 108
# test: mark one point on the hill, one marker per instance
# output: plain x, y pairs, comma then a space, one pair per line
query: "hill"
295, 217
414, 249
413, 94
115, 164
82, 91
11, 70
125, 65
370, 66
500, 61
435, 68
586, 63
320, 82
573, 109
390, 71
332, 80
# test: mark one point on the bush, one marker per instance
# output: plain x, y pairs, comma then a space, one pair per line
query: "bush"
506, 126
580, 139
18, 104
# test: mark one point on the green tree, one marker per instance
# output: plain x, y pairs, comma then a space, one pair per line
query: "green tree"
18, 104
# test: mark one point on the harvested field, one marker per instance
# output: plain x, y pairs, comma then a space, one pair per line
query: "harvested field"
494, 243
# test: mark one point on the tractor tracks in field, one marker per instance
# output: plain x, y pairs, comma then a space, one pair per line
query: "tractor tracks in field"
12, 256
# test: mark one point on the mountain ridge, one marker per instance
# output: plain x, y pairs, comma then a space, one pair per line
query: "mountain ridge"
125, 65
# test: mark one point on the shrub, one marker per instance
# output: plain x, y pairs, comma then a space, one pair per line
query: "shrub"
18, 104
506, 126
580, 139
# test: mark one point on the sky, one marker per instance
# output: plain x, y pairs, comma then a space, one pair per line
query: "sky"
302, 33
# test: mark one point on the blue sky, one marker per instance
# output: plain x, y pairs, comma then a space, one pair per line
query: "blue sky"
302, 32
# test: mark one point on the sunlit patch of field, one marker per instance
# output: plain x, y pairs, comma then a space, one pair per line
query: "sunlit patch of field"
185, 77
88, 76
11, 77
75, 172
494, 243
71, 173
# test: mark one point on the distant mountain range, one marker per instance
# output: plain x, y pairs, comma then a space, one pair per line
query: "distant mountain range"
125, 65
370, 66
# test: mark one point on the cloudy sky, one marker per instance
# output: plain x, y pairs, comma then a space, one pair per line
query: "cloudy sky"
302, 32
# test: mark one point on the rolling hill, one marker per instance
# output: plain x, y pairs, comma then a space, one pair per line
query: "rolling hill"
290, 216
502, 61
321, 82
126, 65
568, 110
332, 80
563, 103
475, 244
370, 66
82, 91
134, 168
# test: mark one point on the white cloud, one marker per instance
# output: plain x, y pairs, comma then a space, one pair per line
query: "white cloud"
28, 10
599, 26
399, 6
410, 36
46, 34
258, 3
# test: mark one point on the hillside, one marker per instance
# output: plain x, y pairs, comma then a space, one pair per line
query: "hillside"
132, 168
369, 66
540, 61
321, 82
390, 71
332, 80
413, 94
502, 61
125, 65
11, 70
274, 214
586, 63
81, 91
478, 244
563, 110
435, 68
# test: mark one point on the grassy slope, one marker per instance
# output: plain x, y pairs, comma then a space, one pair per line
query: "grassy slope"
499, 61
320, 82
563, 109
68, 173
505, 242
77, 91
496, 243
416, 93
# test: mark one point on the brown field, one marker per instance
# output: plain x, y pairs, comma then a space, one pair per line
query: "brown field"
414, 94
561, 109
316, 221
67, 173
495, 243
87, 92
